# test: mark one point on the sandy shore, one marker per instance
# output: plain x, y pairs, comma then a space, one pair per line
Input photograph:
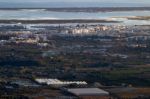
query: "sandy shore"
135, 17
139, 18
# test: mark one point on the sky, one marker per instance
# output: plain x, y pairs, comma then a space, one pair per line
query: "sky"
120, 1
73, 3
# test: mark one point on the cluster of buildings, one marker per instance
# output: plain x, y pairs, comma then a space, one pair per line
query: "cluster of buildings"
24, 37
32, 36
118, 31
76, 92
56, 82
86, 30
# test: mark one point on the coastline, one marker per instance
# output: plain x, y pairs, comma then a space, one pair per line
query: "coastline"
58, 21
85, 9
139, 18
135, 17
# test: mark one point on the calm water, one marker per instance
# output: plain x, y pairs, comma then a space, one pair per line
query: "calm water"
42, 14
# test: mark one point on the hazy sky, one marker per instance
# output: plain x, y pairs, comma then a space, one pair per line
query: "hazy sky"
68, 3
127, 1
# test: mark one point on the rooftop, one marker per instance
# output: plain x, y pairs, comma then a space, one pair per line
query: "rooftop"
87, 91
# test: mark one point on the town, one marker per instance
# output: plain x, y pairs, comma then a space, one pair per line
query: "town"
73, 61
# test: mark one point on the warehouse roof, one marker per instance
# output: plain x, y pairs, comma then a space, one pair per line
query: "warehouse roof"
87, 91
